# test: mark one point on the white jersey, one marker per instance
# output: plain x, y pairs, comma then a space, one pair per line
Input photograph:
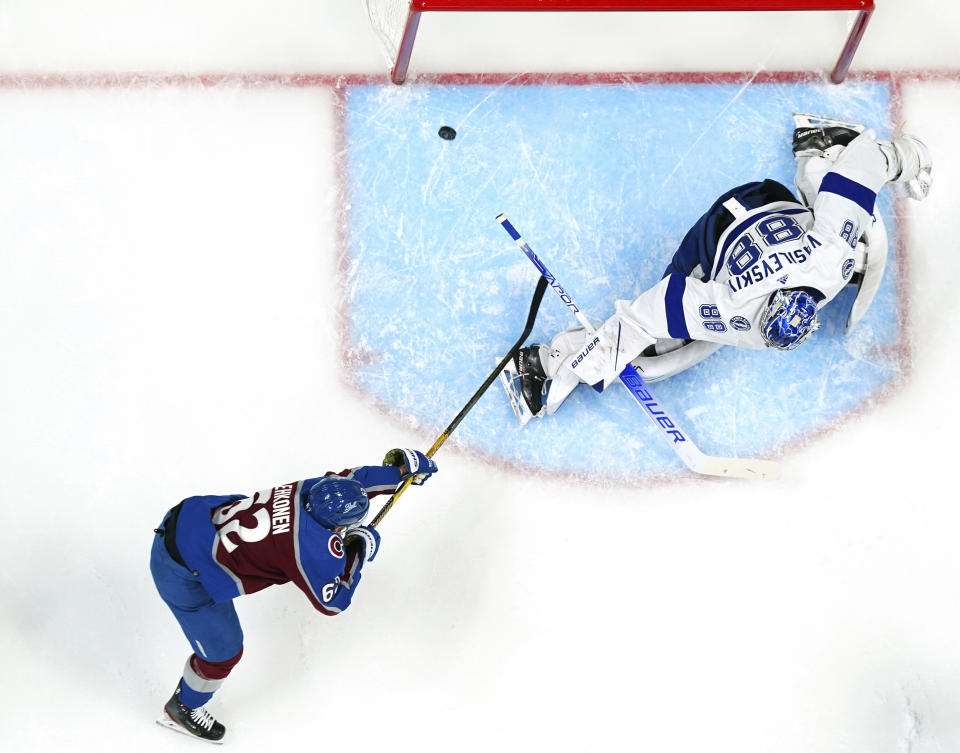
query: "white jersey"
779, 245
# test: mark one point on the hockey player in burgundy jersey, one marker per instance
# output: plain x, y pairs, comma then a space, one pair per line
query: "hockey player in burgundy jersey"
210, 549
753, 271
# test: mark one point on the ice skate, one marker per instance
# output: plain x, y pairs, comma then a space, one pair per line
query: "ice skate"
814, 134
196, 722
525, 383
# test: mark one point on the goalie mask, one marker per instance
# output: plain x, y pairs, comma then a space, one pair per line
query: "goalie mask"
790, 318
334, 502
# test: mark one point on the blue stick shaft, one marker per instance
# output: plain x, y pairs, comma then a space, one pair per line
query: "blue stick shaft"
564, 296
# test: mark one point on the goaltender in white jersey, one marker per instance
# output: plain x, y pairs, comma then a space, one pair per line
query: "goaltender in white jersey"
753, 271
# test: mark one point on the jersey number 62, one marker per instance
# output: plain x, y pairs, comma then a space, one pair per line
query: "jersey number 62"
231, 519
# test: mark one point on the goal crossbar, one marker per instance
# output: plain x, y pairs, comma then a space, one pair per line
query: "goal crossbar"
864, 10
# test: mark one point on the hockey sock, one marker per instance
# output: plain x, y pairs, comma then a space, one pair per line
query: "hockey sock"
201, 679
191, 698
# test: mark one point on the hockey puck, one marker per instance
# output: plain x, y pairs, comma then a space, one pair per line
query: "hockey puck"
446, 132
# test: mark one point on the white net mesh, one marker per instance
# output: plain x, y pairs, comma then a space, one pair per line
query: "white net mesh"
388, 18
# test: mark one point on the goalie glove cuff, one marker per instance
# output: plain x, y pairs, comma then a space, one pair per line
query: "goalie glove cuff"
909, 166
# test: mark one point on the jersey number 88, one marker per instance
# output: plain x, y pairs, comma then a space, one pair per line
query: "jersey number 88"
773, 231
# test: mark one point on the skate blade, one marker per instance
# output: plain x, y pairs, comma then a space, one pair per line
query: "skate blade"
511, 381
806, 120
166, 721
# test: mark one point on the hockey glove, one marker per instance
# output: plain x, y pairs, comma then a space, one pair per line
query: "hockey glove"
915, 167
417, 465
366, 538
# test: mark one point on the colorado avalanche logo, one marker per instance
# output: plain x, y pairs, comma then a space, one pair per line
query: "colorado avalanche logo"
740, 323
847, 269
336, 546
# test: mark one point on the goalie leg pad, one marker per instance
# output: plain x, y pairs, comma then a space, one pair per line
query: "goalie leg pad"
656, 365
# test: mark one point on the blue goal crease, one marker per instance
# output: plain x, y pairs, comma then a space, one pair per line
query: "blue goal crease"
603, 181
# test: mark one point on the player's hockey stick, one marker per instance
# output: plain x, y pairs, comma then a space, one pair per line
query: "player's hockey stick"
531, 317
688, 452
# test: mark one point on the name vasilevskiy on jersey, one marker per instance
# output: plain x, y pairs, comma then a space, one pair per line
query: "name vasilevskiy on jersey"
763, 269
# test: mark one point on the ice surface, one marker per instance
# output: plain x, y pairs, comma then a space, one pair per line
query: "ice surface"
179, 315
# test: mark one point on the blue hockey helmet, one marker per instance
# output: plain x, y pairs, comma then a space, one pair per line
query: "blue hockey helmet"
335, 502
790, 318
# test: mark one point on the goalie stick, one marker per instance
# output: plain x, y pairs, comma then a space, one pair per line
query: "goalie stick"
688, 452
531, 317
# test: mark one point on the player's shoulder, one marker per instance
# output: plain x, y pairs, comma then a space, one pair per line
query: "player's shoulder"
776, 220
318, 546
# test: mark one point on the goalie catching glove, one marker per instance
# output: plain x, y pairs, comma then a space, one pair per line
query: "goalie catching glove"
909, 166
412, 463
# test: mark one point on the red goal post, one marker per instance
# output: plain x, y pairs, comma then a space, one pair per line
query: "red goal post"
381, 10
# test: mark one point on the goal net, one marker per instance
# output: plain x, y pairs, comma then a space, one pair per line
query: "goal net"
388, 19
395, 22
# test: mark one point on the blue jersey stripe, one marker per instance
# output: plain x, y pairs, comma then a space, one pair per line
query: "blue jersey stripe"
849, 189
676, 323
